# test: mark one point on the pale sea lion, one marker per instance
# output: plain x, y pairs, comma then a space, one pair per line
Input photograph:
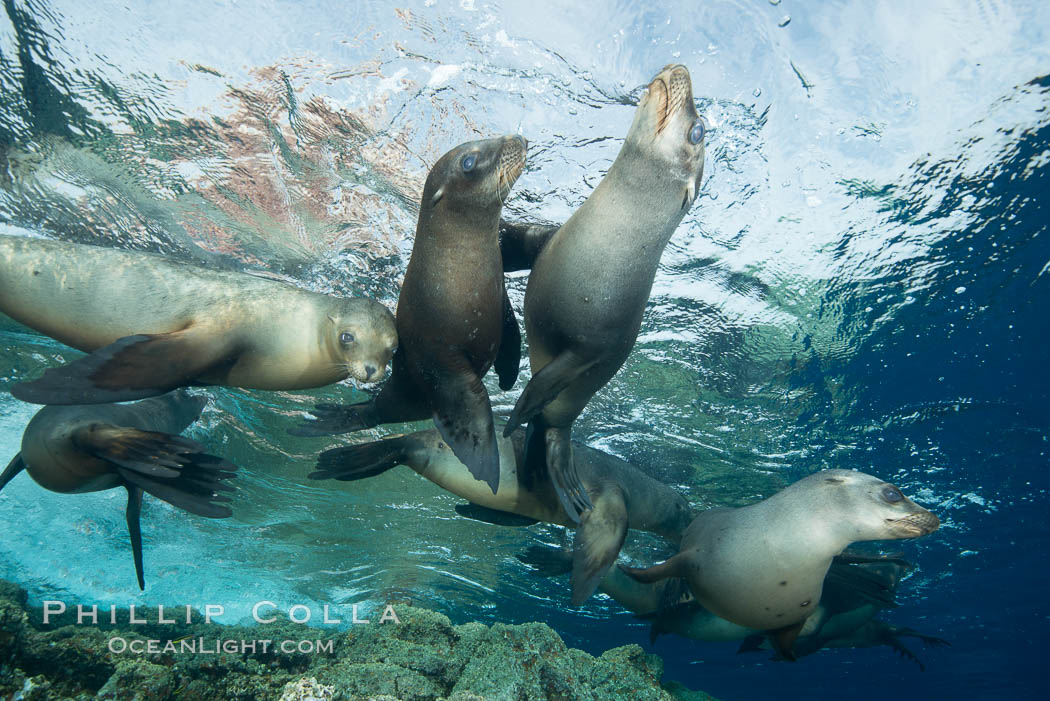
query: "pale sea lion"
152, 324
763, 566
453, 315
623, 496
855, 590
77, 449
591, 279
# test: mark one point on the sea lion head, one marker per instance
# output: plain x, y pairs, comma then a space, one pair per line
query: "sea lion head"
361, 336
874, 509
474, 177
667, 128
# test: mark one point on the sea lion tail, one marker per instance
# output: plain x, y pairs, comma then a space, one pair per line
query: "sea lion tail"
546, 561
673, 567
355, 462
172, 468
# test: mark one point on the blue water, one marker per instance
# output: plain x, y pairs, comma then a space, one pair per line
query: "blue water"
863, 283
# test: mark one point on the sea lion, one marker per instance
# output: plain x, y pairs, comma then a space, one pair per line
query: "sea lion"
453, 315
591, 279
77, 449
623, 496
763, 566
152, 324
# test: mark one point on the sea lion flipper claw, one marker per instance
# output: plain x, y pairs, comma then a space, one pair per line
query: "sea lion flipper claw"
132, 367
133, 514
598, 540
16, 465
544, 386
508, 358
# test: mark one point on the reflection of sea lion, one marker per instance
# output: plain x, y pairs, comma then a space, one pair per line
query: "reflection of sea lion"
76, 449
591, 279
152, 324
623, 496
763, 566
453, 315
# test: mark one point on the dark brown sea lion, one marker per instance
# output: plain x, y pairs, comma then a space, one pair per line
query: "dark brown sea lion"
77, 449
591, 279
151, 324
453, 315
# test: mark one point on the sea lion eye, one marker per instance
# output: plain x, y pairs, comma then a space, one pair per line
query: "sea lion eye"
346, 338
892, 494
696, 134
468, 162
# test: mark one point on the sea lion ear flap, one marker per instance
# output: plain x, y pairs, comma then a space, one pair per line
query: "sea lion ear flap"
436, 197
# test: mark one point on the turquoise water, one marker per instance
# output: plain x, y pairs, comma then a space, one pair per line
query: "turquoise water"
861, 284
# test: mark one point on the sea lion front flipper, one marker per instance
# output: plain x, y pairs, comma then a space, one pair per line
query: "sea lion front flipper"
673, 567
784, 638
598, 540
493, 516
858, 559
355, 462
14, 467
520, 243
134, 511
133, 367
546, 561
330, 419
752, 643
508, 358
171, 468
544, 386
463, 416
875, 588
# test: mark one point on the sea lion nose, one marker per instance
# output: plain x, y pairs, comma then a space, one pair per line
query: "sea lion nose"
369, 371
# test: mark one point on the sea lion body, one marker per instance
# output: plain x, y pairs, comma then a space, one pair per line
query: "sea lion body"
591, 279
222, 327
763, 566
77, 449
454, 319
623, 496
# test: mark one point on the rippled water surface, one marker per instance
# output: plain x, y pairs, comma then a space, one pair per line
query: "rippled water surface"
862, 283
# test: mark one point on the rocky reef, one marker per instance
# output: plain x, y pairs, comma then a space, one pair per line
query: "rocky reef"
423, 657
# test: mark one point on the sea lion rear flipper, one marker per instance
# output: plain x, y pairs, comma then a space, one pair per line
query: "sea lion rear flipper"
889, 637
561, 467
508, 358
784, 638
544, 386
355, 462
463, 416
14, 467
597, 544
520, 243
547, 561
673, 567
493, 516
133, 367
134, 510
171, 468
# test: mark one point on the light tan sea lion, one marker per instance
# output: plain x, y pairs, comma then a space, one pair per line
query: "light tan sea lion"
623, 496
763, 566
591, 279
77, 449
453, 315
151, 324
